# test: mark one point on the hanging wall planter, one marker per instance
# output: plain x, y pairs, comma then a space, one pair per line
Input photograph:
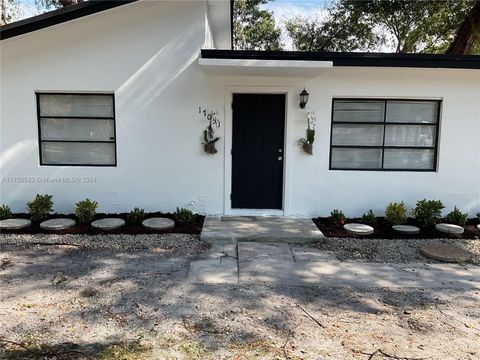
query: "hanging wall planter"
209, 138
307, 142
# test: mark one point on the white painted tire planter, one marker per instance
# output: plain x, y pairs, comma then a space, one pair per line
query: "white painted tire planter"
14, 224
108, 223
406, 229
358, 229
449, 228
57, 224
158, 223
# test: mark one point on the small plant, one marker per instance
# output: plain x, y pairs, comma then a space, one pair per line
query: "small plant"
428, 212
40, 207
184, 216
456, 217
5, 212
369, 218
136, 216
396, 213
338, 217
307, 142
86, 210
209, 138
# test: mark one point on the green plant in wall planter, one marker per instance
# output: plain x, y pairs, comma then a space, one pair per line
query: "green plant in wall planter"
209, 138
307, 142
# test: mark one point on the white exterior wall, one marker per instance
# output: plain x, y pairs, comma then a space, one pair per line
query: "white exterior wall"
147, 54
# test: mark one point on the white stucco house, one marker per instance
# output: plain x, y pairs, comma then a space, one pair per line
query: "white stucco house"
109, 100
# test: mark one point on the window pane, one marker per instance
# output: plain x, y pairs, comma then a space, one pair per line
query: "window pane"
409, 159
356, 158
410, 135
78, 153
76, 105
358, 111
357, 134
77, 129
412, 111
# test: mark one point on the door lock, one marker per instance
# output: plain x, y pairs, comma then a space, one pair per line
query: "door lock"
280, 158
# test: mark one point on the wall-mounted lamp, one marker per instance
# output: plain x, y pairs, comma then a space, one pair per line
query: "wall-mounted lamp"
303, 98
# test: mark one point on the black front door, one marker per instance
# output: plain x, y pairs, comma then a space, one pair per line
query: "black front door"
257, 151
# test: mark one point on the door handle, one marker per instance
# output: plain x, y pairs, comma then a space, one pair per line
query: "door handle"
280, 158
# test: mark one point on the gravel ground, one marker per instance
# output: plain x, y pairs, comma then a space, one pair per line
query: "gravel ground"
182, 244
391, 250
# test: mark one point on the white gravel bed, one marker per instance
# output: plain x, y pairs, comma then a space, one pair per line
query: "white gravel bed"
391, 250
184, 244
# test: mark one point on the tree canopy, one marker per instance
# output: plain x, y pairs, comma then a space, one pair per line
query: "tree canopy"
407, 26
254, 28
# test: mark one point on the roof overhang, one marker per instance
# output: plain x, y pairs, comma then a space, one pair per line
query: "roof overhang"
351, 59
254, 67
59, 16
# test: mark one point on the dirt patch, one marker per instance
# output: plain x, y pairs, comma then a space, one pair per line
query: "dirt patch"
142, 307
383, 230
129, 229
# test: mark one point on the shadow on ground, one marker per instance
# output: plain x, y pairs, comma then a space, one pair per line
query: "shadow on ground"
120, 305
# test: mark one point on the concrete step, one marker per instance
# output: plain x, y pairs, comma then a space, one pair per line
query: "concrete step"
260, 228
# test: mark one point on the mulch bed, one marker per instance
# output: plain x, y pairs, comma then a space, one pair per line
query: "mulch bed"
383, 230
130, 229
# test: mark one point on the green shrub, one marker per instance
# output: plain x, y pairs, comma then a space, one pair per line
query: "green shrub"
5, 212
184, 216
456, 217
428, 212
86, 210
369, 218
396, 213
136, 216
338, 217
40, 207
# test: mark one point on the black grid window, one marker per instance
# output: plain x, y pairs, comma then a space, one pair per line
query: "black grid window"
380, 134
76, 129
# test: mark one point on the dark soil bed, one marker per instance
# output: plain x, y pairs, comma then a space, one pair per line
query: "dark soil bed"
384, 231
130, 229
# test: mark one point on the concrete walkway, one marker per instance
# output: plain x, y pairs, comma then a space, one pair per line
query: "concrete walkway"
297, 265
218, 229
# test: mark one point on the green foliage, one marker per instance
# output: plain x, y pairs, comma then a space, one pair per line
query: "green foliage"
86, 210
338, 217
136, 216
396, 213
5, 212
369, 218
209, 135
428, 212
184, 216
254, 28
456, 217
40, 207
309, 139
407, 26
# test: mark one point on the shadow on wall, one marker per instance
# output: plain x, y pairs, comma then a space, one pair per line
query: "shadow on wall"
132, 97
143, 87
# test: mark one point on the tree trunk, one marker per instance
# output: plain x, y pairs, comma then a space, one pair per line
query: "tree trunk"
467, 34
3, 17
